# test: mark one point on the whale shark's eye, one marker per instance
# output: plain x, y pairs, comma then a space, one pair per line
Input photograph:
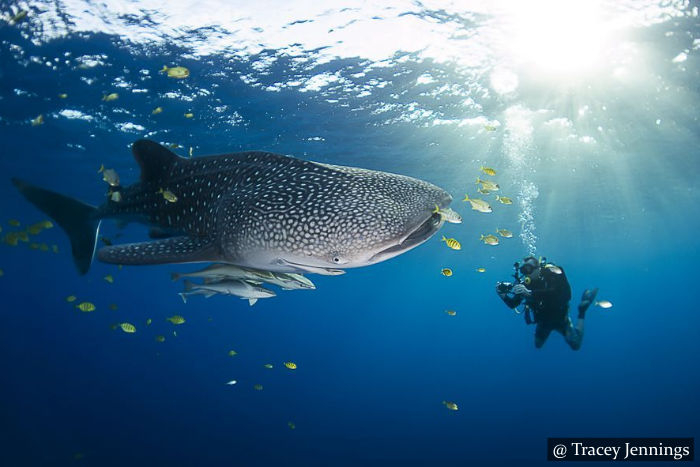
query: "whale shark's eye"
338, 258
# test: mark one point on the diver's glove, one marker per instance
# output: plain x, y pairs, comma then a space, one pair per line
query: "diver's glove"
520, 289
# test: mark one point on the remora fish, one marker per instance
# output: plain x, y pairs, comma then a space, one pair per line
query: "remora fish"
254, 209
291, 281
223, 271
238, 288
286, 281
219, 272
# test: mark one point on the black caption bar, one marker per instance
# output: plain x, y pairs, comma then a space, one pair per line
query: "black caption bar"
621, 449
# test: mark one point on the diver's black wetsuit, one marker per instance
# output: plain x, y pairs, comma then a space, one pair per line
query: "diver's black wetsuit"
549, 304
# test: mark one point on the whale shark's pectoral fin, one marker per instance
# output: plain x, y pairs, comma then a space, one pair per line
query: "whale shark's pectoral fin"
312, 269
170, 250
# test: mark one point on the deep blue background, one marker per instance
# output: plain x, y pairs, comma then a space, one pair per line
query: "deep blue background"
375, 350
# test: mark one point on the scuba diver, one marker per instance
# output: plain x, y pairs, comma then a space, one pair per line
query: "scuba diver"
546, 292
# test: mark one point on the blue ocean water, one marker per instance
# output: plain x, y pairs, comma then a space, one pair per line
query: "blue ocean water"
597, 144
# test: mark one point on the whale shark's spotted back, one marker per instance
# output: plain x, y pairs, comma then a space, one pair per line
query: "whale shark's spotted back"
263, 210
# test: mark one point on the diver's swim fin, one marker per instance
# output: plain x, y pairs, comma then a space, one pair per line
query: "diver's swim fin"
586, 300
77, 219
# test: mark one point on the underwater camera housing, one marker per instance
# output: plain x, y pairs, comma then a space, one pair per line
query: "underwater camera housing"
504, 287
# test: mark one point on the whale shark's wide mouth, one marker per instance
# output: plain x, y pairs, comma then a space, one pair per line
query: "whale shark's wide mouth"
420, 234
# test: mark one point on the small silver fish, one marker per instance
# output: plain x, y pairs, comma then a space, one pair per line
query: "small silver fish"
109, 175
448, 215
478, 204
223, 271
288, 281
238, 288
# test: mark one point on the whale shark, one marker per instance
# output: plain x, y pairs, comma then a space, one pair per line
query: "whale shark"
252, 209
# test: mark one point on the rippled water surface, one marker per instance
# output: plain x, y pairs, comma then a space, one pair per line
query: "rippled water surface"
588, 113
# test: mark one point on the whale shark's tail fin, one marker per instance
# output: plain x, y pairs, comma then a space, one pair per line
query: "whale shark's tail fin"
77, 219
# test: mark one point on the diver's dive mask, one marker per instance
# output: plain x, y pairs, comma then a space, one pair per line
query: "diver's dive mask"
529, 265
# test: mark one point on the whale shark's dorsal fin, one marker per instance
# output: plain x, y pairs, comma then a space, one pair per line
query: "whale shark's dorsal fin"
155, 160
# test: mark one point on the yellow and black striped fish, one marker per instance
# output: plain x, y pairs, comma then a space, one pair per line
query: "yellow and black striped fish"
452, 243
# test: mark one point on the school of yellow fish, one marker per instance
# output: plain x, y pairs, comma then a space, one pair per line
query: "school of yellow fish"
18, 236
484, 187
175, 72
